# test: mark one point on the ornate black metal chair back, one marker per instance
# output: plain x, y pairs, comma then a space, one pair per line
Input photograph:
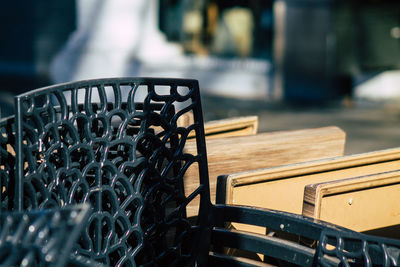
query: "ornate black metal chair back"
40, 238
116, 144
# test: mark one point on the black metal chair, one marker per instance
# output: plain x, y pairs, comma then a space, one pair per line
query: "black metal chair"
115, 144
7, 163
40, 238
122, 153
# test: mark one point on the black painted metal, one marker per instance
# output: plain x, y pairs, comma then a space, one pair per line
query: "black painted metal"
115, 143
300, 240
356, 248
266, 245
40, 238
7, 163
273, 219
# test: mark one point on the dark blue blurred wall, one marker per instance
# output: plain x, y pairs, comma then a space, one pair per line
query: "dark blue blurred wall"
32, 31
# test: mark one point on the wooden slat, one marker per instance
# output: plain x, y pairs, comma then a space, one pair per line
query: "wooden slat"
282, 188
361, 203
234, 154
236, 126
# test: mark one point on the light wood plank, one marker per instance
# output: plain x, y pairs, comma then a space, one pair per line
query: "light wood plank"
236, 126
361, 203
234, 154
282, 187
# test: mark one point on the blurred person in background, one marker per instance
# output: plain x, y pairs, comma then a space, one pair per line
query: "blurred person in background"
111, 35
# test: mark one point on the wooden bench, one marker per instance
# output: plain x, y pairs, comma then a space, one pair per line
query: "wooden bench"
234, 154
282, 188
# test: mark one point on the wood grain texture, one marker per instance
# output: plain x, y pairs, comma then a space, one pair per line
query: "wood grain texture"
235, 154
297, 176
282, 187
362, 203
236, 126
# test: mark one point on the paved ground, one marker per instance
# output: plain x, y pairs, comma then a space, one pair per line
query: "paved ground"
369, 126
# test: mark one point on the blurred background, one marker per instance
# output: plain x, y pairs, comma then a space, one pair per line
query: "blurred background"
294, 63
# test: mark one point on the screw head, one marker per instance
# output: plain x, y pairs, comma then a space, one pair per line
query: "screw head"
350, 201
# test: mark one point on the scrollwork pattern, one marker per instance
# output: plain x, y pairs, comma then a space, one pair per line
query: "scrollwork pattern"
351, 248
116, 144
7, 162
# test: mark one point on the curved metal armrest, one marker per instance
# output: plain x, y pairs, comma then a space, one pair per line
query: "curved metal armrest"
274, 247
273, 219
296, 239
